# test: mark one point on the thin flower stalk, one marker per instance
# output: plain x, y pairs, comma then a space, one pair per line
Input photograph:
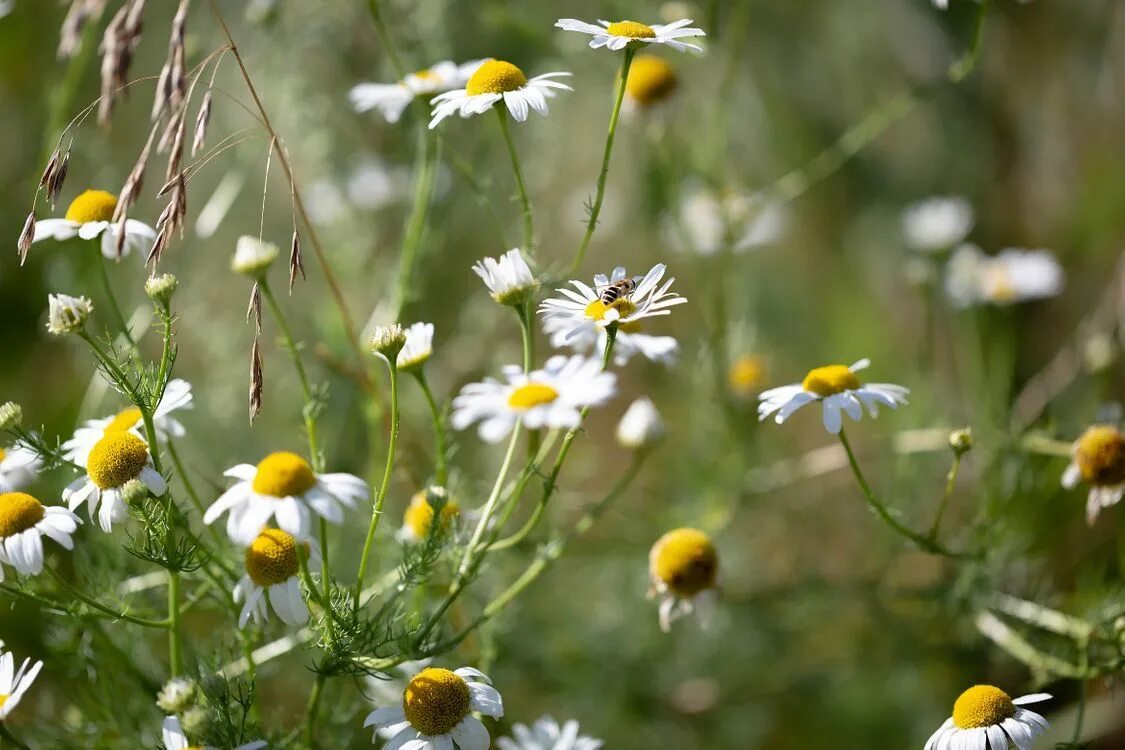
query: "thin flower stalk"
517, 170
384, 485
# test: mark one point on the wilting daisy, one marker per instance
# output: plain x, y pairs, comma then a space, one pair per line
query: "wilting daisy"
418, 347
682, 567
706, 222
117, 459
436, 711
175, 739
391, 99
583, 311
986, 717
628, 342
283, 486
547, 734
495, 81
641, 425
67, 314
937, 224
18, 467
616, 36
840, 390
24, 521
509, 279
1099, 460
177, 397
273, 574
90, 215
973, 278
651, 81
419, 516
14, 683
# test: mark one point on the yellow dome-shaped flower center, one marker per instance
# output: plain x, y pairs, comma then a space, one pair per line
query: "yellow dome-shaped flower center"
92, 205
435, 701
830, 380
1100, 455
631, 29
18, 512
272, 558
124, 421
531, 395
283, 474
651, 80
746, 375
495, 77
115, 459
3, 454
982, 706
419, 516
684, 560
597, 309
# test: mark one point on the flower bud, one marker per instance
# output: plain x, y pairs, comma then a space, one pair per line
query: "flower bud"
178, 695
252, 257
67, 314
161, 288
387, 341
961, 441
11, 415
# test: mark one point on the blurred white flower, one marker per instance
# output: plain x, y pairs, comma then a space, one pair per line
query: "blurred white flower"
24, 521
547, 734
706, 222
18, 467
66, 314
273, 576
1099, 460
1015, 275
683, 567
177, 397
616, 36
839, 389
391, 99
115, 461
372, 185
90, 215
508, 279
937, 224
252, 256
495, 81
418, 347
14, 683
986, 717
172, 733
641, 425
592, 340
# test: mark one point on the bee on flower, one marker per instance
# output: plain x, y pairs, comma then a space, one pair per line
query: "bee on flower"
273, 576
392, 99
116, 462
620, 34
839, 389
683, 567
172, 733
973, 278
177, 397
18, 467
418, 519
14, 682
548, 734
90, 216
496, 81
1099, 461
938, 224
986, 717
24, 521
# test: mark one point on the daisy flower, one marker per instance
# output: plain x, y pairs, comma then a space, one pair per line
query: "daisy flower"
706, 222
175, 739
547, 734
937, 224
986, 717
583, 311
67, 314
618, 35
14, 683
1099, 460
418, 347
177, 396
683, 566
18, 467
552, 397
24, 521
419, 516
509, 279
973, 278
436, 711
273, 574
90, 215
651, 81
840, 390
283, 486
391, 99
662, 349
495, 81
117, 459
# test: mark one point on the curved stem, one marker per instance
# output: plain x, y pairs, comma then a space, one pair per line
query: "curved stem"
62, 582
377, 507
425, 173
525, 202
950, 481
441, 470
490, 505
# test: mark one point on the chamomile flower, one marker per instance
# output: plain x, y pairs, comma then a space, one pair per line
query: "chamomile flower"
548, 734
937, 224
583, 311
706, 221
683, 567
24, 521
652, 80
117, 459
18, 467
177, 397
986, 717
618, 35
436, 711
273, 576
391, 99
628, 343
552, 397
174, 738
67, 314
14, 683
1099, 460
418, 518
495, 81
90, 215
418, 347
973, 278
509, 279
839, 389
283, 486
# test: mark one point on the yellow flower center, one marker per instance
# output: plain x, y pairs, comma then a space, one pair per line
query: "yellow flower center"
426, 75
3, 454
92, 205
746, 374
830, 380
124, 421
115, 459
272, 557
1100, 455
982, 706
631, 29
419, 516
495, 77
3, 699
651, 79
435, 701
283, 474
597, 309
685, 561
532, 394
18, 512
998, 284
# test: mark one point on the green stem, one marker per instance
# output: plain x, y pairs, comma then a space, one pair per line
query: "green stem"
313, 710
490, 505
385, 38
325, 577
306, 387
596, 208
62, 582
465, 169
441, 470
175, 660
426, 171
1081, 718
950, 481
525, 202
384, 485
119, 317
6, 734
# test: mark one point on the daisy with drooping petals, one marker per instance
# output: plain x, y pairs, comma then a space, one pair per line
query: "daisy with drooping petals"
547, 734
14, 683
618, 35
18, 467
175, 739
90, 215
987, 718
840, 390
662, 349
509, 279
24, 521
683, 567
973, 278
418, 347
418, 519
494, 81
391, 99
116, 460
273, 574
937, 224
1099, 460
283, 486
177, 396
436, 711
552, 397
